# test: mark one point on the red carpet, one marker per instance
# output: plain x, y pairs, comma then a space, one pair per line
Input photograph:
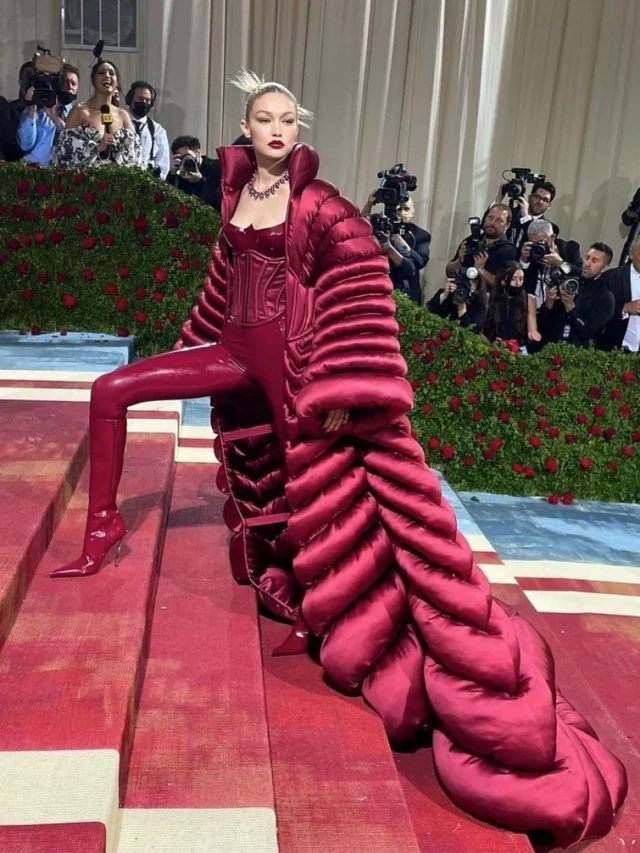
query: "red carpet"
55, 838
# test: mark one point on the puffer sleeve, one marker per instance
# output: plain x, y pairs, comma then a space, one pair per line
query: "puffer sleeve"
204, 323
355, 361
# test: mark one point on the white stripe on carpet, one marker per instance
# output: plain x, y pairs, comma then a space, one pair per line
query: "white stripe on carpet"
572, 571
552, 601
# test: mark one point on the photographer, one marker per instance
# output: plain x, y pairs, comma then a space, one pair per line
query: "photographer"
196, 174
576, 310
408, 252
631, 218
525, 210
507, 311
623, 330
463, 298
540, 254
495, 251
154, 143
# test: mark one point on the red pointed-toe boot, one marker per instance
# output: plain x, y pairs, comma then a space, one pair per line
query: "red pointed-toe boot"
105, 527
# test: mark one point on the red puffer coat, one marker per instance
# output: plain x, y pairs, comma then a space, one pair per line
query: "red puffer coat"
371, 555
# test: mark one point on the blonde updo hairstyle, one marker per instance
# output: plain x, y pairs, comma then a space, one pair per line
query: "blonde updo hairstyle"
254, 86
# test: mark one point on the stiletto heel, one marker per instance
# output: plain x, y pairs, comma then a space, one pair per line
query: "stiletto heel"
118, 549
99, 541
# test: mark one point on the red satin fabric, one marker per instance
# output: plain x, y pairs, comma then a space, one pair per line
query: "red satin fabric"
405, 615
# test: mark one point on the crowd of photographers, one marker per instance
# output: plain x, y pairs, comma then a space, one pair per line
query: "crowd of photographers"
513, 277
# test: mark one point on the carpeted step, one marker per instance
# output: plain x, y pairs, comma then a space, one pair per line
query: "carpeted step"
42, 452
72, 666
199, 777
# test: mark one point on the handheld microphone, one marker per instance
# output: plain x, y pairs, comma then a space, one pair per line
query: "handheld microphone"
106, 117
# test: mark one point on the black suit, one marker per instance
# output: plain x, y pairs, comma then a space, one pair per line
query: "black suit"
631, 218
618, 281
518, 233
594, 307
406, 275
568, 250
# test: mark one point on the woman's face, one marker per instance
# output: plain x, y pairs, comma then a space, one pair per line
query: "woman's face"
272, 126
106, 79
517, 279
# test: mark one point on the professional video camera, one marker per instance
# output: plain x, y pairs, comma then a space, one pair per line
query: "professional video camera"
45, 77
476, 243
394, 190
463, 278
568, 284
516, 186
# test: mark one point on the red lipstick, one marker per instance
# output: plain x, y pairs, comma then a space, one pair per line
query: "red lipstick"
276, 144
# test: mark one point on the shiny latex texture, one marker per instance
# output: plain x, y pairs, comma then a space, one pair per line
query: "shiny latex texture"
379, 570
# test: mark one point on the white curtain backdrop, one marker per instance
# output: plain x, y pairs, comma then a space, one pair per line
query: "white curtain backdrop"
458, 90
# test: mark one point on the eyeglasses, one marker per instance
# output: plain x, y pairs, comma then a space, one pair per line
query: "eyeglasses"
544, 198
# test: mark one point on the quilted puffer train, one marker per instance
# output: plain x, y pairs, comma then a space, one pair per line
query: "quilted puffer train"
370, 554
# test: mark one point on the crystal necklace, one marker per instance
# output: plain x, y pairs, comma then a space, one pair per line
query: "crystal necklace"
271, 190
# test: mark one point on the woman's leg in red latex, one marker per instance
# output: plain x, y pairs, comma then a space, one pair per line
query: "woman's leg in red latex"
181, 374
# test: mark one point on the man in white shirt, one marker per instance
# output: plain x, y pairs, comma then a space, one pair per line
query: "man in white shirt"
624, 282
154, 143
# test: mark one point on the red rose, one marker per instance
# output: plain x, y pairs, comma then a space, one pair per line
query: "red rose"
496, 443
26, 294
488, 454
569, 438
628, 451
36, 330
444, 334
553, 432
108, 239
102, 184
535, 441
479, 437
427, 408
118, 206
123, 333
3, 258
595, 429
146, 240
71, 210
503, 416
483, 363
18, 211
469, 460
473, 398
78, 178
427, 358
613, 465
518, 381
157, 325
624, 410
556, 360
181, 293
599, 411
195, 263
121, 304
206, 239
160, 274
535, 388
39, 237
433, 443
22, 187
454, 404
88, 274
89, 243
553, 375
476, 415
448, 451
417, 347
554, 499
432, 378
616, 394
111, 289
529, 472
124, 272
586, 463
502, 365
157, 295
635, 436
541, 410
158, 197
43, 276
103, 218
609, 433
567, 499
184, 211
26, 241
542, 423
177, 253
184, 265
459, 380
171, 222
68, 300
140, 316
581, 418
89, 197
23, 267
61, 277
140, 223
13, 245
171, 317
82, 227
552, 391
562, 388
518, 467
470, 373
552, 465
141, 293
595, 392
628, 376
522, 424
57, 236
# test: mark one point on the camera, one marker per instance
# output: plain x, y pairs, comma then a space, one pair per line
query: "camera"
463, 278
517, 185
538, 250
475, 243
188, 166
45, 77
568, 284
394, 190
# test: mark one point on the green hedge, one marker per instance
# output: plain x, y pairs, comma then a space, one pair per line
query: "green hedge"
106, 250
563, 423
115, 250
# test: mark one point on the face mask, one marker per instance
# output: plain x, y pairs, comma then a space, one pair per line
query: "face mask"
66, 98
513, 290
140, 109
